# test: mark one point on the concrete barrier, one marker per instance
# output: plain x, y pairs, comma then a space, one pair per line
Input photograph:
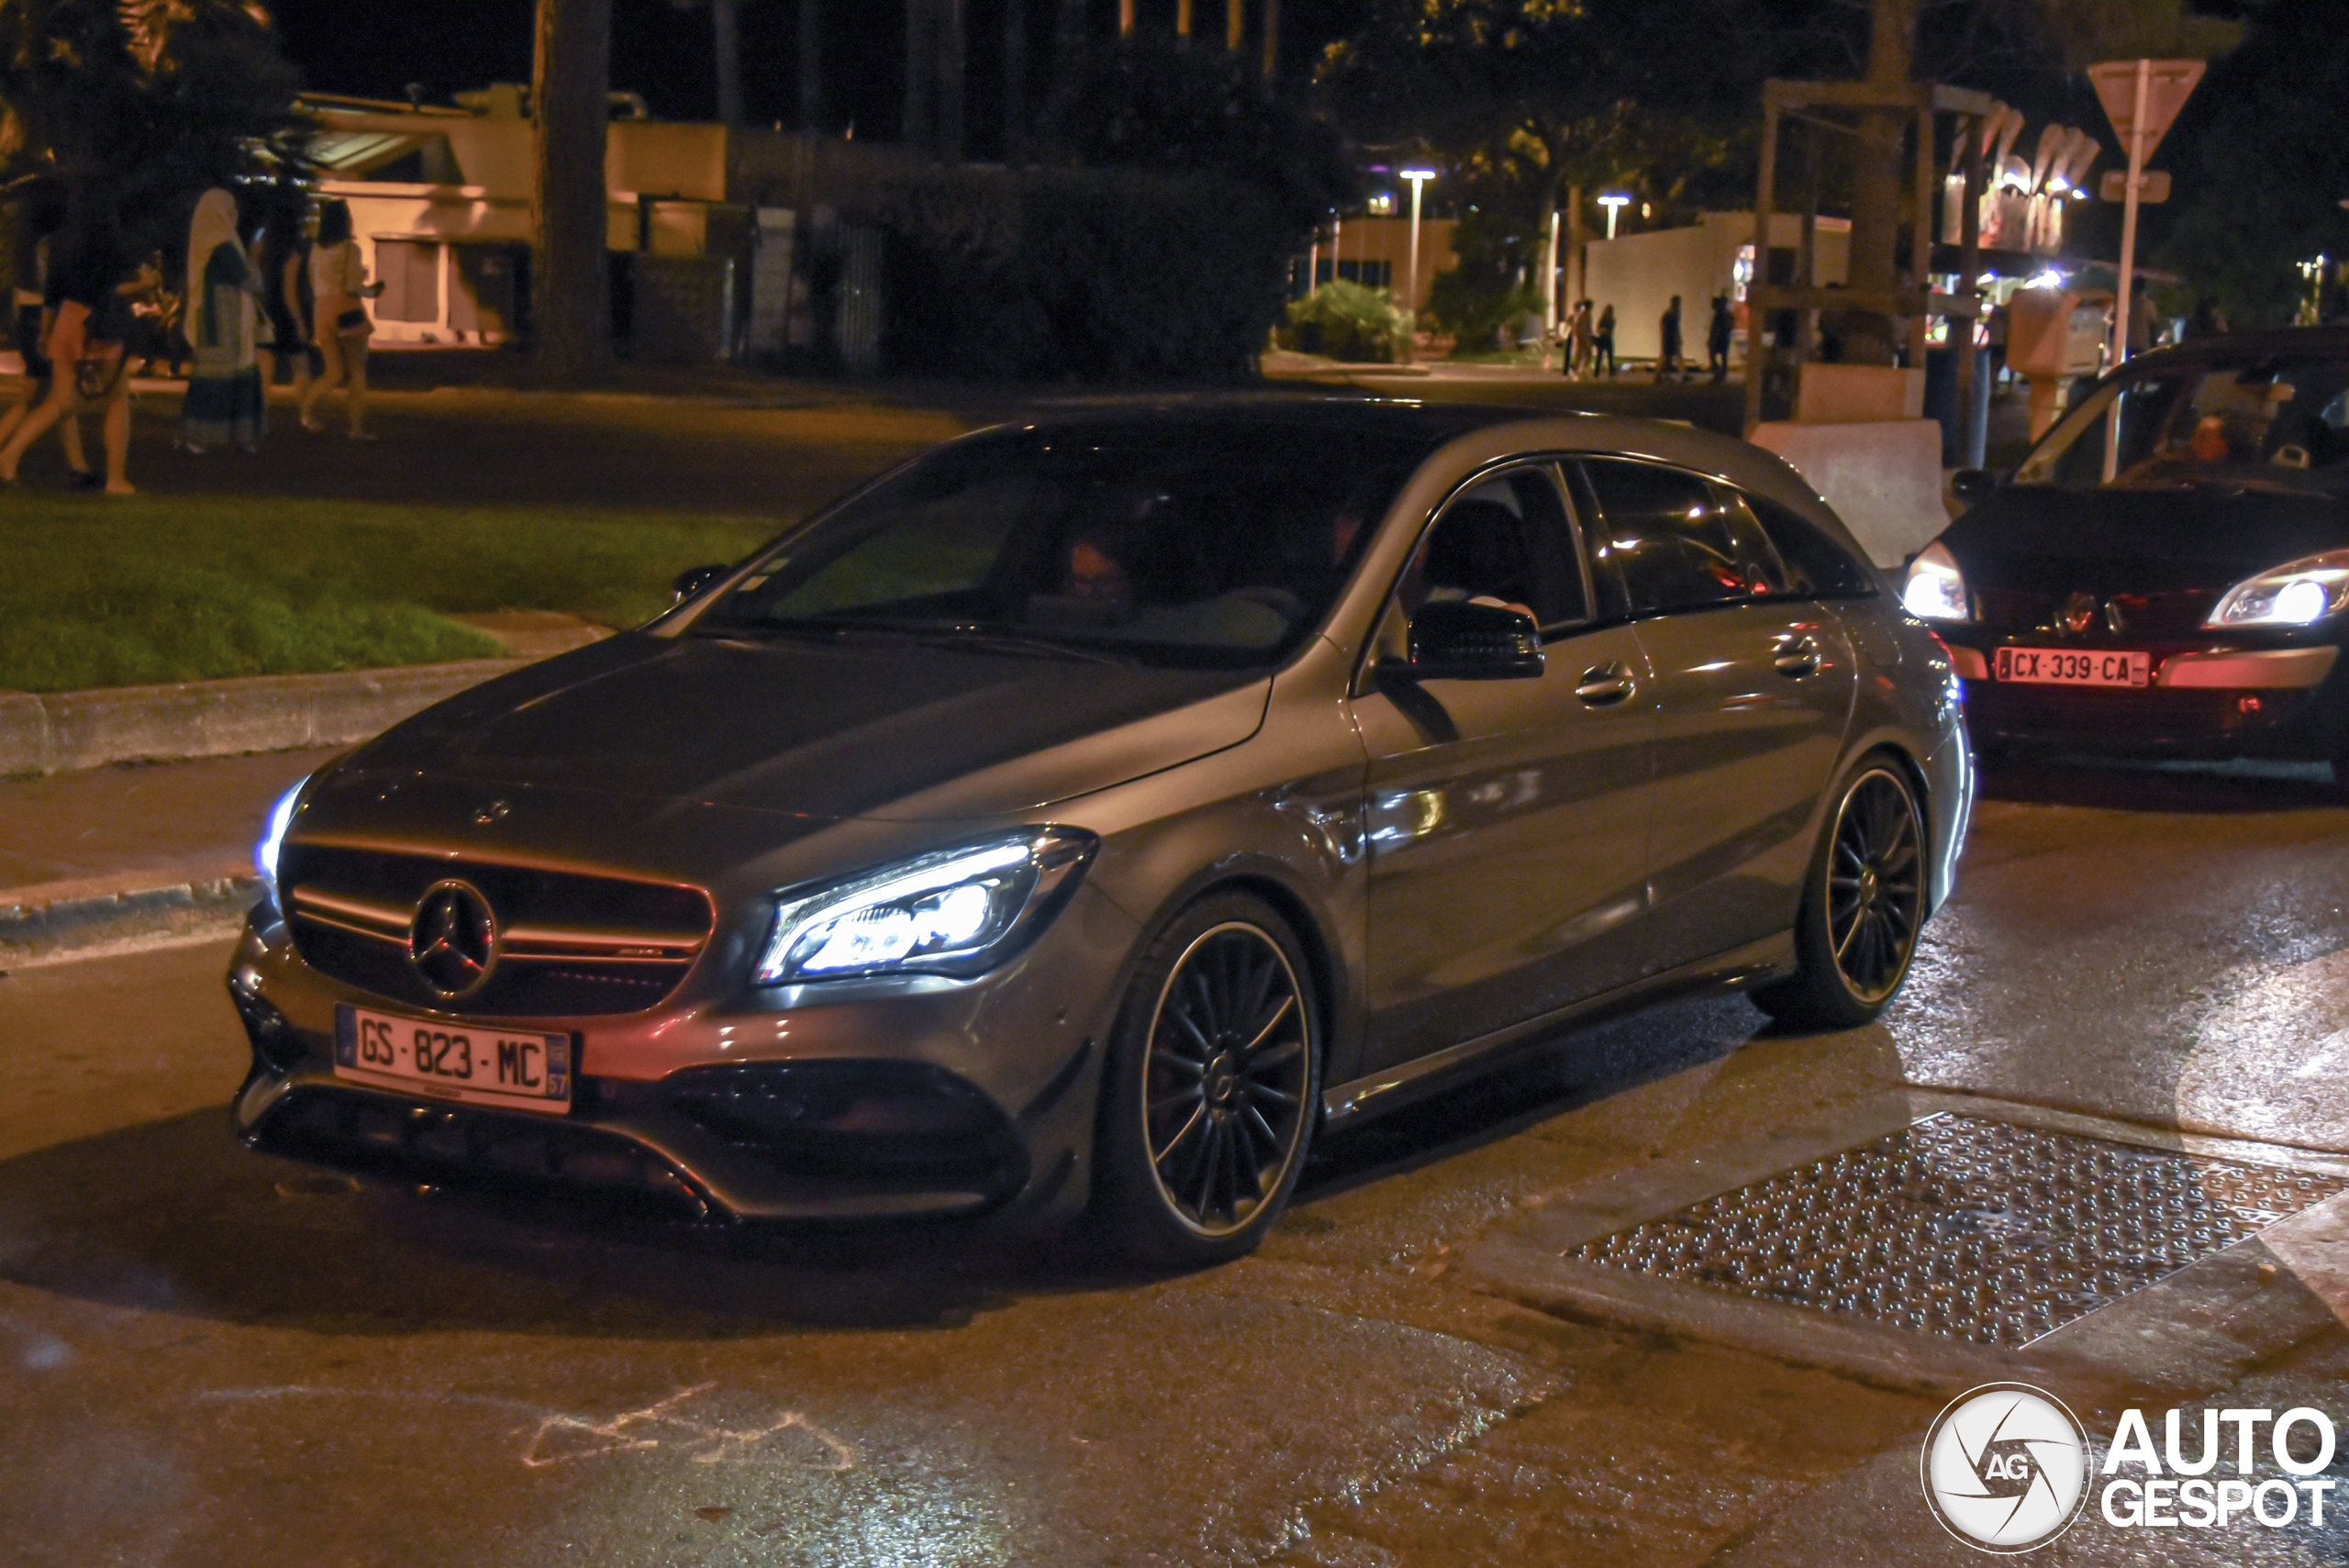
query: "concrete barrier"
221, 718
1884, 478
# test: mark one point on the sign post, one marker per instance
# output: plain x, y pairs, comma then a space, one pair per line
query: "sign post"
2140, 98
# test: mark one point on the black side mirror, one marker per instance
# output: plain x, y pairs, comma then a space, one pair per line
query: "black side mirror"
1458, 641
1972, 486
693, 579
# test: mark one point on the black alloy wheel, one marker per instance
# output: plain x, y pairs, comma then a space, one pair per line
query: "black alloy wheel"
1212, 1088
1863, 906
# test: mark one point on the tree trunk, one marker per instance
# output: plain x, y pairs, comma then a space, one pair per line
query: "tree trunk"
811, 65
921, 61
951, 53
1235, 23
1876, 175
570, 111
1015, 80
726, 43
1271, 39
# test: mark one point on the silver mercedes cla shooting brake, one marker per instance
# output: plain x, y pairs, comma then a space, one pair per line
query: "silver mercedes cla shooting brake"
1084, 815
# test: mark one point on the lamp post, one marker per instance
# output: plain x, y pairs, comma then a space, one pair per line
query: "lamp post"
1613, 205
1418, 178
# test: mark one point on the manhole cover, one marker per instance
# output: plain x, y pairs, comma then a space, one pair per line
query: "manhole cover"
1965, 1227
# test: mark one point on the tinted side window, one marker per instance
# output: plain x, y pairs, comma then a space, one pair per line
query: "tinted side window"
1816, 567
1676, 545
1505, 539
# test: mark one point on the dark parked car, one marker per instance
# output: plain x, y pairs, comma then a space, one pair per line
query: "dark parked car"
2185, 597
1087, 812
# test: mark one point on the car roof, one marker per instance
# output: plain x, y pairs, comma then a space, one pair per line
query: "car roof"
2286, 342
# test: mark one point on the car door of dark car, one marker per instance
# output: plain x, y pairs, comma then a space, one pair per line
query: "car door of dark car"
1507, 818
1753, 686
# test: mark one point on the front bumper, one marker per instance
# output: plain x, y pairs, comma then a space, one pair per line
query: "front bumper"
913, 1098
2206, 699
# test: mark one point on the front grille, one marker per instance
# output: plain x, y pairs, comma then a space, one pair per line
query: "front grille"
875, 1125
572, 945
2179, 717
2117, 617
465, 1146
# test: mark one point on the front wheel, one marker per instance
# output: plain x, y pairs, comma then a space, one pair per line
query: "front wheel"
1863, 906
1211, 1086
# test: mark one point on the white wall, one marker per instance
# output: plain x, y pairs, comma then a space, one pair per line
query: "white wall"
1639, 274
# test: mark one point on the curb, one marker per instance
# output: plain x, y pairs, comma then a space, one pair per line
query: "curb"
40, 925
67, 730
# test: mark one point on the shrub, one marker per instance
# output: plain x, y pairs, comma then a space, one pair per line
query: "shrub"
1473, 309
1347, 321
1116, 275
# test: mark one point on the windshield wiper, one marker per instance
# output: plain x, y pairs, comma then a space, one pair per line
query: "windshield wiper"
948, 634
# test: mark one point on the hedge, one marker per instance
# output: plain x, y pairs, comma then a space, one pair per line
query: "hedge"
1107, 275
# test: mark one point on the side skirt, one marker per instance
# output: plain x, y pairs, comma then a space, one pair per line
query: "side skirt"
1772, 958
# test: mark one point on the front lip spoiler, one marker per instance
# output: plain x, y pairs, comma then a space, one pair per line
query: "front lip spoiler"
2269, 669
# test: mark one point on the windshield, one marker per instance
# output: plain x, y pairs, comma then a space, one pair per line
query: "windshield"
1220, 547
2276, 420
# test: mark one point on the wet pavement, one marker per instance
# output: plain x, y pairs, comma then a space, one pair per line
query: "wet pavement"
211, 1358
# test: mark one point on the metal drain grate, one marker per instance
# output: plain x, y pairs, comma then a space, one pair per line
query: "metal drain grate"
1965, 1227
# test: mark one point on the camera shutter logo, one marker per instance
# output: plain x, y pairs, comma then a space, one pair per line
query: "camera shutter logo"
2006, 1467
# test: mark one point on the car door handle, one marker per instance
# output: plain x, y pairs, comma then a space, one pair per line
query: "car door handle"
1604, 686
1797, 657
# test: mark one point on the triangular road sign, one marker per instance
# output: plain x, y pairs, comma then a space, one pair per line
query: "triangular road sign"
2168, 84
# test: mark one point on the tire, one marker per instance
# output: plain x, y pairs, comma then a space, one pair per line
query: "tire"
1213, 1083
1863, 904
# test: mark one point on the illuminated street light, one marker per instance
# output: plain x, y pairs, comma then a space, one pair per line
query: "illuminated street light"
1418, 178
1613, 205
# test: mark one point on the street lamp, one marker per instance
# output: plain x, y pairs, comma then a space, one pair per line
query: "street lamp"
1418, 178
1613, 205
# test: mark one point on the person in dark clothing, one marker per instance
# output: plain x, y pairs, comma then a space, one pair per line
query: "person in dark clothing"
1716, 337
1667, 359
1604, 344
284, 260
87, 340
40, 215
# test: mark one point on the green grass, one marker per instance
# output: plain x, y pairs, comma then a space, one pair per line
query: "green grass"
105, 593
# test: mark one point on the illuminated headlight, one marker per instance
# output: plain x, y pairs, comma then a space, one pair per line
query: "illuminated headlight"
958, 911
2302, 594
1935, 590
272, 834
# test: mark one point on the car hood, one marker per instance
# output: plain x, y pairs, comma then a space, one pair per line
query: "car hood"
877, 727
2149, 540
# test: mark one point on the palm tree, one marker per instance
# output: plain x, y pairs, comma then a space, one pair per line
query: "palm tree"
570, 103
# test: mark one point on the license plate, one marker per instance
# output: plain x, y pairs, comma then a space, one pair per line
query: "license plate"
469, 1063
2070, 667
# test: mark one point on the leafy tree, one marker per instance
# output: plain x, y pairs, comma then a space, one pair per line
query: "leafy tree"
1521, 98
2261, 164
1151, 104
140, 105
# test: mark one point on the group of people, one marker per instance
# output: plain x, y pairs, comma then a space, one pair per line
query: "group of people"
1590, 345
256, 283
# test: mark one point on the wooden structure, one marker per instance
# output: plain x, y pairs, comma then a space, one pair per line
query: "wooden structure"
1828, 104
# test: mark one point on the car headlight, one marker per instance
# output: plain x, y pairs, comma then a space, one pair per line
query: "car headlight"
1935, 589
272, 833
2302, 594
957, 911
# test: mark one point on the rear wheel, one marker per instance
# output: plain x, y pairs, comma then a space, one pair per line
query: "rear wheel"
1863, 906
1211, 1086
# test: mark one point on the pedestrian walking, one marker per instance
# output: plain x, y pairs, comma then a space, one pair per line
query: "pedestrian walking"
40, 214
1717, 336
223, 313
339, 278
1667, 359
1603, 343
288, 303
86, 346
1579, 332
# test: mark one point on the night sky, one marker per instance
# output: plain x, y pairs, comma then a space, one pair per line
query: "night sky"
661, 49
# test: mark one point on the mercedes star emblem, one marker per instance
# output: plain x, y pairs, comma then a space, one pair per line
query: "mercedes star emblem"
452, 940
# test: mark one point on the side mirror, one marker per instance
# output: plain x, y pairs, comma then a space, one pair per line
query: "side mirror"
1457, 640
693, 579
1972, 486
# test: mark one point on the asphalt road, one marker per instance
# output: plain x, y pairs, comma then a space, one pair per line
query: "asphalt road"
216, 1359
